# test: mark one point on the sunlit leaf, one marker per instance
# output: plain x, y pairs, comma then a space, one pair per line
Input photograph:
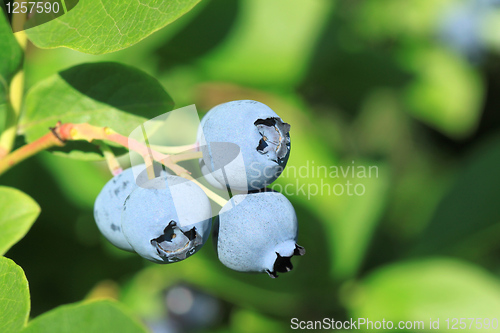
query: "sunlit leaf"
14, 297
269, 45
393, 19
11, 56
94, 316
433, 288
447, 92
98, 27
18, 211
101, 94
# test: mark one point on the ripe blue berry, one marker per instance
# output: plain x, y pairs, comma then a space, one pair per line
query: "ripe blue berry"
167, 219
108, 204
261, 136
257, 232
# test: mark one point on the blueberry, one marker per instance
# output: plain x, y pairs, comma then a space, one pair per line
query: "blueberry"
462, 27
257, 132
257, 232
108, 204
167, 219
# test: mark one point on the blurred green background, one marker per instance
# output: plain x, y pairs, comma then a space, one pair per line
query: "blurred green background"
380, 83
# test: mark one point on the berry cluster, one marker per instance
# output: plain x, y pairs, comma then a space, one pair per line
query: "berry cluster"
166, 219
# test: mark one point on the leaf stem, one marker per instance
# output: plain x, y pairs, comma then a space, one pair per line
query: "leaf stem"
72, 132
47, 141
89, 133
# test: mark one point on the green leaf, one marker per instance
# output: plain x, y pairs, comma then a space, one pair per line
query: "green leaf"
98, 27
101, 94
96, 316
18, 211
381, 20
11, 56
447, 93
265, 48
466, 221
14, 297
433, 288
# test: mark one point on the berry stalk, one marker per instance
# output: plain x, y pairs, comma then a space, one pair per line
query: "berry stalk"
113, 164
74, 132
174, 150
192, 155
